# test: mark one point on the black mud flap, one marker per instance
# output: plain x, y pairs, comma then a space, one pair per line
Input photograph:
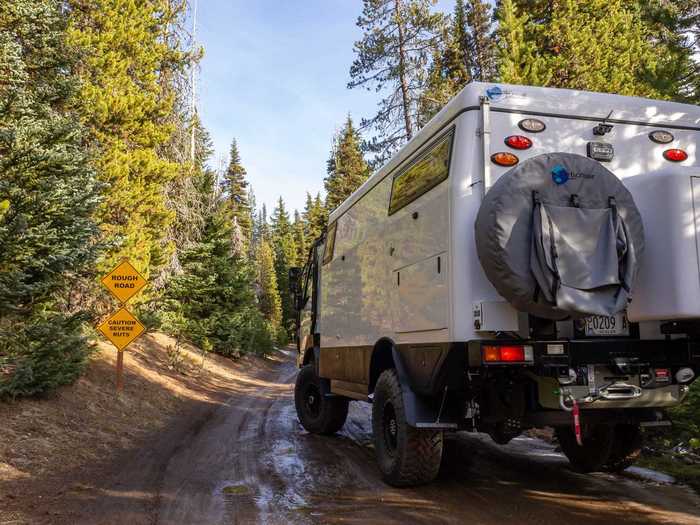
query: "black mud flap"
422, 411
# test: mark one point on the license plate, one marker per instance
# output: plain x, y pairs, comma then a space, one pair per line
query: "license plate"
606, 325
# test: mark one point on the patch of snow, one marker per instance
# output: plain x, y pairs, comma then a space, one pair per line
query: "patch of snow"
650, 475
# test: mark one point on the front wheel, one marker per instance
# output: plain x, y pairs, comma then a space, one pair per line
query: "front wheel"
317, 413
407, 456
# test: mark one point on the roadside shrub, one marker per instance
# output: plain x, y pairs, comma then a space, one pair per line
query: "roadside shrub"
686, 417
39, 356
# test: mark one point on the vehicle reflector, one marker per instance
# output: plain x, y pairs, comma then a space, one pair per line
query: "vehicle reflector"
512, 353
675, 155
532, 125
492, 353
662, 375
661, 137
507, 354
518, 142
503, 158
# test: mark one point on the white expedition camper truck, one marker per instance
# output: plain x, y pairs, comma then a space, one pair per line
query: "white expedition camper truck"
529, 259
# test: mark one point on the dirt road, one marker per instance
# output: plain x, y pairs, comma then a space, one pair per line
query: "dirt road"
248, 461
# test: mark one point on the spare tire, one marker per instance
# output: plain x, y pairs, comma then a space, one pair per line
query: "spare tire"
560, 236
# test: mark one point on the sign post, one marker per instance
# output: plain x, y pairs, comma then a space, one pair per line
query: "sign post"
122, 328
120, 370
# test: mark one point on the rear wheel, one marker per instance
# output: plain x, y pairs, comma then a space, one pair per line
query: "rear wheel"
626, 448
317, 413
407, 456
596, 450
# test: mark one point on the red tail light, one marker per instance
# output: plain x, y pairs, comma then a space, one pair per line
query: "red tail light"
675, 155
662, 375
503, 158
518, 142
507, 354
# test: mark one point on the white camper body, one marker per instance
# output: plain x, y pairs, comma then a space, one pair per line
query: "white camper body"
398, 300
361, 299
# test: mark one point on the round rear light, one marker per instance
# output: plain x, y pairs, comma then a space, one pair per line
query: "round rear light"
675, 155
518, 142
503, 158
532, 125
661, 136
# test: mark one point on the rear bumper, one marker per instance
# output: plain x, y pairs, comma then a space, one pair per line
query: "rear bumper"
448, 378
653, 352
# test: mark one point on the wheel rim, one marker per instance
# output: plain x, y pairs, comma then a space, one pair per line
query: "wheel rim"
390, 427
312, 400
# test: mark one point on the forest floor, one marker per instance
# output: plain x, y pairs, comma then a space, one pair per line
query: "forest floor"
60, 445
223, 445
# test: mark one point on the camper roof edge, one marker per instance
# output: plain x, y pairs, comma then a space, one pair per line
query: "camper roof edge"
539, 101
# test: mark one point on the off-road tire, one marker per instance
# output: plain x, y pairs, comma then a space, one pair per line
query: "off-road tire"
317, 413
596, 450
627, 446
407, 456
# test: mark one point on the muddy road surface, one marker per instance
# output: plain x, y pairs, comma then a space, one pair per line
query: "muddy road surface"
248, 461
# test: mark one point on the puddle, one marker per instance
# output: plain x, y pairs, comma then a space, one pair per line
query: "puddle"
236, 490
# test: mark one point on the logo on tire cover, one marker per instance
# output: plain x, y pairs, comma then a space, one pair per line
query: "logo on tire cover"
559, 174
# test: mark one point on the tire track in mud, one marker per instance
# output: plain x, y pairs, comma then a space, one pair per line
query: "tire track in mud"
251, 462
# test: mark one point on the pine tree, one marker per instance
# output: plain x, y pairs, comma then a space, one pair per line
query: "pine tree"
235, 187
670, 26
252, 203
600, 45
446, 76
268, 297
315, 217
480, 49
456, 41
183, 196
262, 226
123, 50
47, 197
300, 242
346, 167
518, 57
285, 253
394, 54
212, 301
466, 52
281, 226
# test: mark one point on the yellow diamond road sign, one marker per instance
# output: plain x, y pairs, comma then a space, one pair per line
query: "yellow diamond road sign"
124, 281
122, 328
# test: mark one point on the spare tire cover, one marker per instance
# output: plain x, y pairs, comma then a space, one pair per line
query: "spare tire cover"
504, 230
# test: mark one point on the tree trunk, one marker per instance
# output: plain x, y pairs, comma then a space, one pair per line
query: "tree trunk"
402, 71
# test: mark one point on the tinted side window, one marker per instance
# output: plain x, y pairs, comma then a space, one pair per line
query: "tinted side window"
422, 175
330, 243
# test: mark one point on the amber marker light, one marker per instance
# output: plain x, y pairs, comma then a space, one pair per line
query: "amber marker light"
503, 158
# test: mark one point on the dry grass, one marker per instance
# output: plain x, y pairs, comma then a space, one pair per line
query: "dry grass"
88, 423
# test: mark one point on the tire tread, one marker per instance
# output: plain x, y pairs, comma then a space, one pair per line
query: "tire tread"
419, 462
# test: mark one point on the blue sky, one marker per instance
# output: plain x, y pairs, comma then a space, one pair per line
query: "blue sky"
274, 77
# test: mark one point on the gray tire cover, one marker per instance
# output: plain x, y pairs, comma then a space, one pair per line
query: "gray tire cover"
504, 230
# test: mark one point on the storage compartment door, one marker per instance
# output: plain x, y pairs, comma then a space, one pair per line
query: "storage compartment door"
421, 295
